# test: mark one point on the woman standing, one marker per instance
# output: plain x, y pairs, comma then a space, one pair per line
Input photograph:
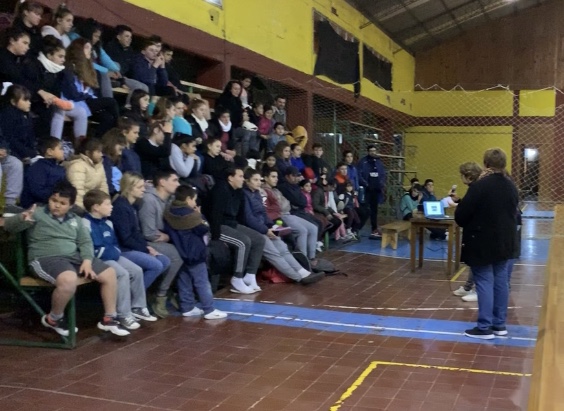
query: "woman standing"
487, 214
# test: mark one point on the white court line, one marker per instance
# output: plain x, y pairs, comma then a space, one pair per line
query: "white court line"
419, 309
347, 307
367, 327
426, 259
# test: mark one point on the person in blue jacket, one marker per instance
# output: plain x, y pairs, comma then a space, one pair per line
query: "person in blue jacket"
352, 172
189, 232
372, 176
275, 250
131, 298
42, 176
128, 231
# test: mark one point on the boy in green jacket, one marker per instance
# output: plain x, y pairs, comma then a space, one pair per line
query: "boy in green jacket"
59, 250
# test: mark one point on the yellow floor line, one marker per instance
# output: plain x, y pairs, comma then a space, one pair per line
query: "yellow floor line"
455, 276
354, 386
374, 364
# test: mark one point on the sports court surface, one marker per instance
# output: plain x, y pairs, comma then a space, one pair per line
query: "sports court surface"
381, 338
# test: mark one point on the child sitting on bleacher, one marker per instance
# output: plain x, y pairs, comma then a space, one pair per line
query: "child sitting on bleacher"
86, 171
44, 174
131, 298
155, 150
130, 160
16, 124
113, 144
59, 251
138, 111
189, 232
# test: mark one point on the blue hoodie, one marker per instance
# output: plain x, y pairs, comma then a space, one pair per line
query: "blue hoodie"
128, 230
39, 180
255, 212
18, 131
187, 230
103, 237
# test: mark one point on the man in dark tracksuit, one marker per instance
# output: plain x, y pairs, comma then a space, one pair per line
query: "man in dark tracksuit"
372, 176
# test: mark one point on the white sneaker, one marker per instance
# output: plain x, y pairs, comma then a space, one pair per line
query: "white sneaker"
238, 286
251, 281
194, 312
461, 291
319, 247
215, 315
472, 297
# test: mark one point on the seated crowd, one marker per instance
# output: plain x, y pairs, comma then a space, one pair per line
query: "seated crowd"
141, 193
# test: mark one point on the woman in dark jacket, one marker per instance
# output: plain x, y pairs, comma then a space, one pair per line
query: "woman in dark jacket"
231, 101
128, 231
28, 18
487, 214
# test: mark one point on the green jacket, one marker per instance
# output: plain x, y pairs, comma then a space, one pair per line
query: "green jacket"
49, 237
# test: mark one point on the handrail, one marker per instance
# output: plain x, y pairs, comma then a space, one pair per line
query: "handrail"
200, 87
546, 393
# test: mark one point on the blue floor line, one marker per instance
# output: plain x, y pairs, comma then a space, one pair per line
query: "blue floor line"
355, 323
531, 249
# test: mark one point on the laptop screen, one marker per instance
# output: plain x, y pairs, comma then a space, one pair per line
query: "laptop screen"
433, 209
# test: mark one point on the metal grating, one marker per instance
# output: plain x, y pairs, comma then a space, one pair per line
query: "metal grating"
418, 25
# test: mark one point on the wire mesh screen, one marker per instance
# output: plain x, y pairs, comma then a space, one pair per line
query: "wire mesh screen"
446, 129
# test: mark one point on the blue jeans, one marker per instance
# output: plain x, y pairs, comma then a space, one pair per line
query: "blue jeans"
190, 278
493, 294
152, 266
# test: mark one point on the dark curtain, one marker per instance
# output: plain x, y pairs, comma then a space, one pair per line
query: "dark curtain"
376, 70
336, 58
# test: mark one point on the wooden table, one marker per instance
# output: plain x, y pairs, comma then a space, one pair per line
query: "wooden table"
418, 225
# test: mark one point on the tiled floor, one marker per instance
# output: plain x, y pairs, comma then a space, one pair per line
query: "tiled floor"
381, 338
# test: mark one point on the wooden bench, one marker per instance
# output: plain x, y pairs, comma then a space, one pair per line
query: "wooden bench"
391, 232
26, 285
548, 364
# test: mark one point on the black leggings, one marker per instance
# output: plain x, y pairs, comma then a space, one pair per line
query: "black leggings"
105, 111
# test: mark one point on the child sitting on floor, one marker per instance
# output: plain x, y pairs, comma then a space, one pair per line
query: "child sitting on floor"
59, 251
188, 231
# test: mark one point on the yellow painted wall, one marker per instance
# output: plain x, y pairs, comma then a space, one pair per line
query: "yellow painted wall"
463, 103
283, 31
437, 152
537, 103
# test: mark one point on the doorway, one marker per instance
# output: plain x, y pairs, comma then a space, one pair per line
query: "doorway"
531, 173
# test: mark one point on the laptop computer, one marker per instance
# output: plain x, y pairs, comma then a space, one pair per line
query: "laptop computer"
434, 210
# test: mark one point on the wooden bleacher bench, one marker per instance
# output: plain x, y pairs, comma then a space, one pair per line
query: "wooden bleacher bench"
391, 232
26, 285
546, 392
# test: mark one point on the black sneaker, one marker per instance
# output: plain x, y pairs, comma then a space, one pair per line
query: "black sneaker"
480, 334
112, 325
499, 331
60, 326
143, 314
312, 278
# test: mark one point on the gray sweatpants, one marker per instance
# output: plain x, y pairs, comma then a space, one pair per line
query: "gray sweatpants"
13, 168
79, 119
130, 286
305, 232
175, 263
248, 246
276, 253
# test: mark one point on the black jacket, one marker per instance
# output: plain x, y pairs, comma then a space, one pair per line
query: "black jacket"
153, 157
226, 206
215, 166
122, 55
10, 67
488, 215
35, 77
229, 102
293, 194
17, 129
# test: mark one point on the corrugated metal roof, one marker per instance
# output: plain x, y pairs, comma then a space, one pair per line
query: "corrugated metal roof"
419, 25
